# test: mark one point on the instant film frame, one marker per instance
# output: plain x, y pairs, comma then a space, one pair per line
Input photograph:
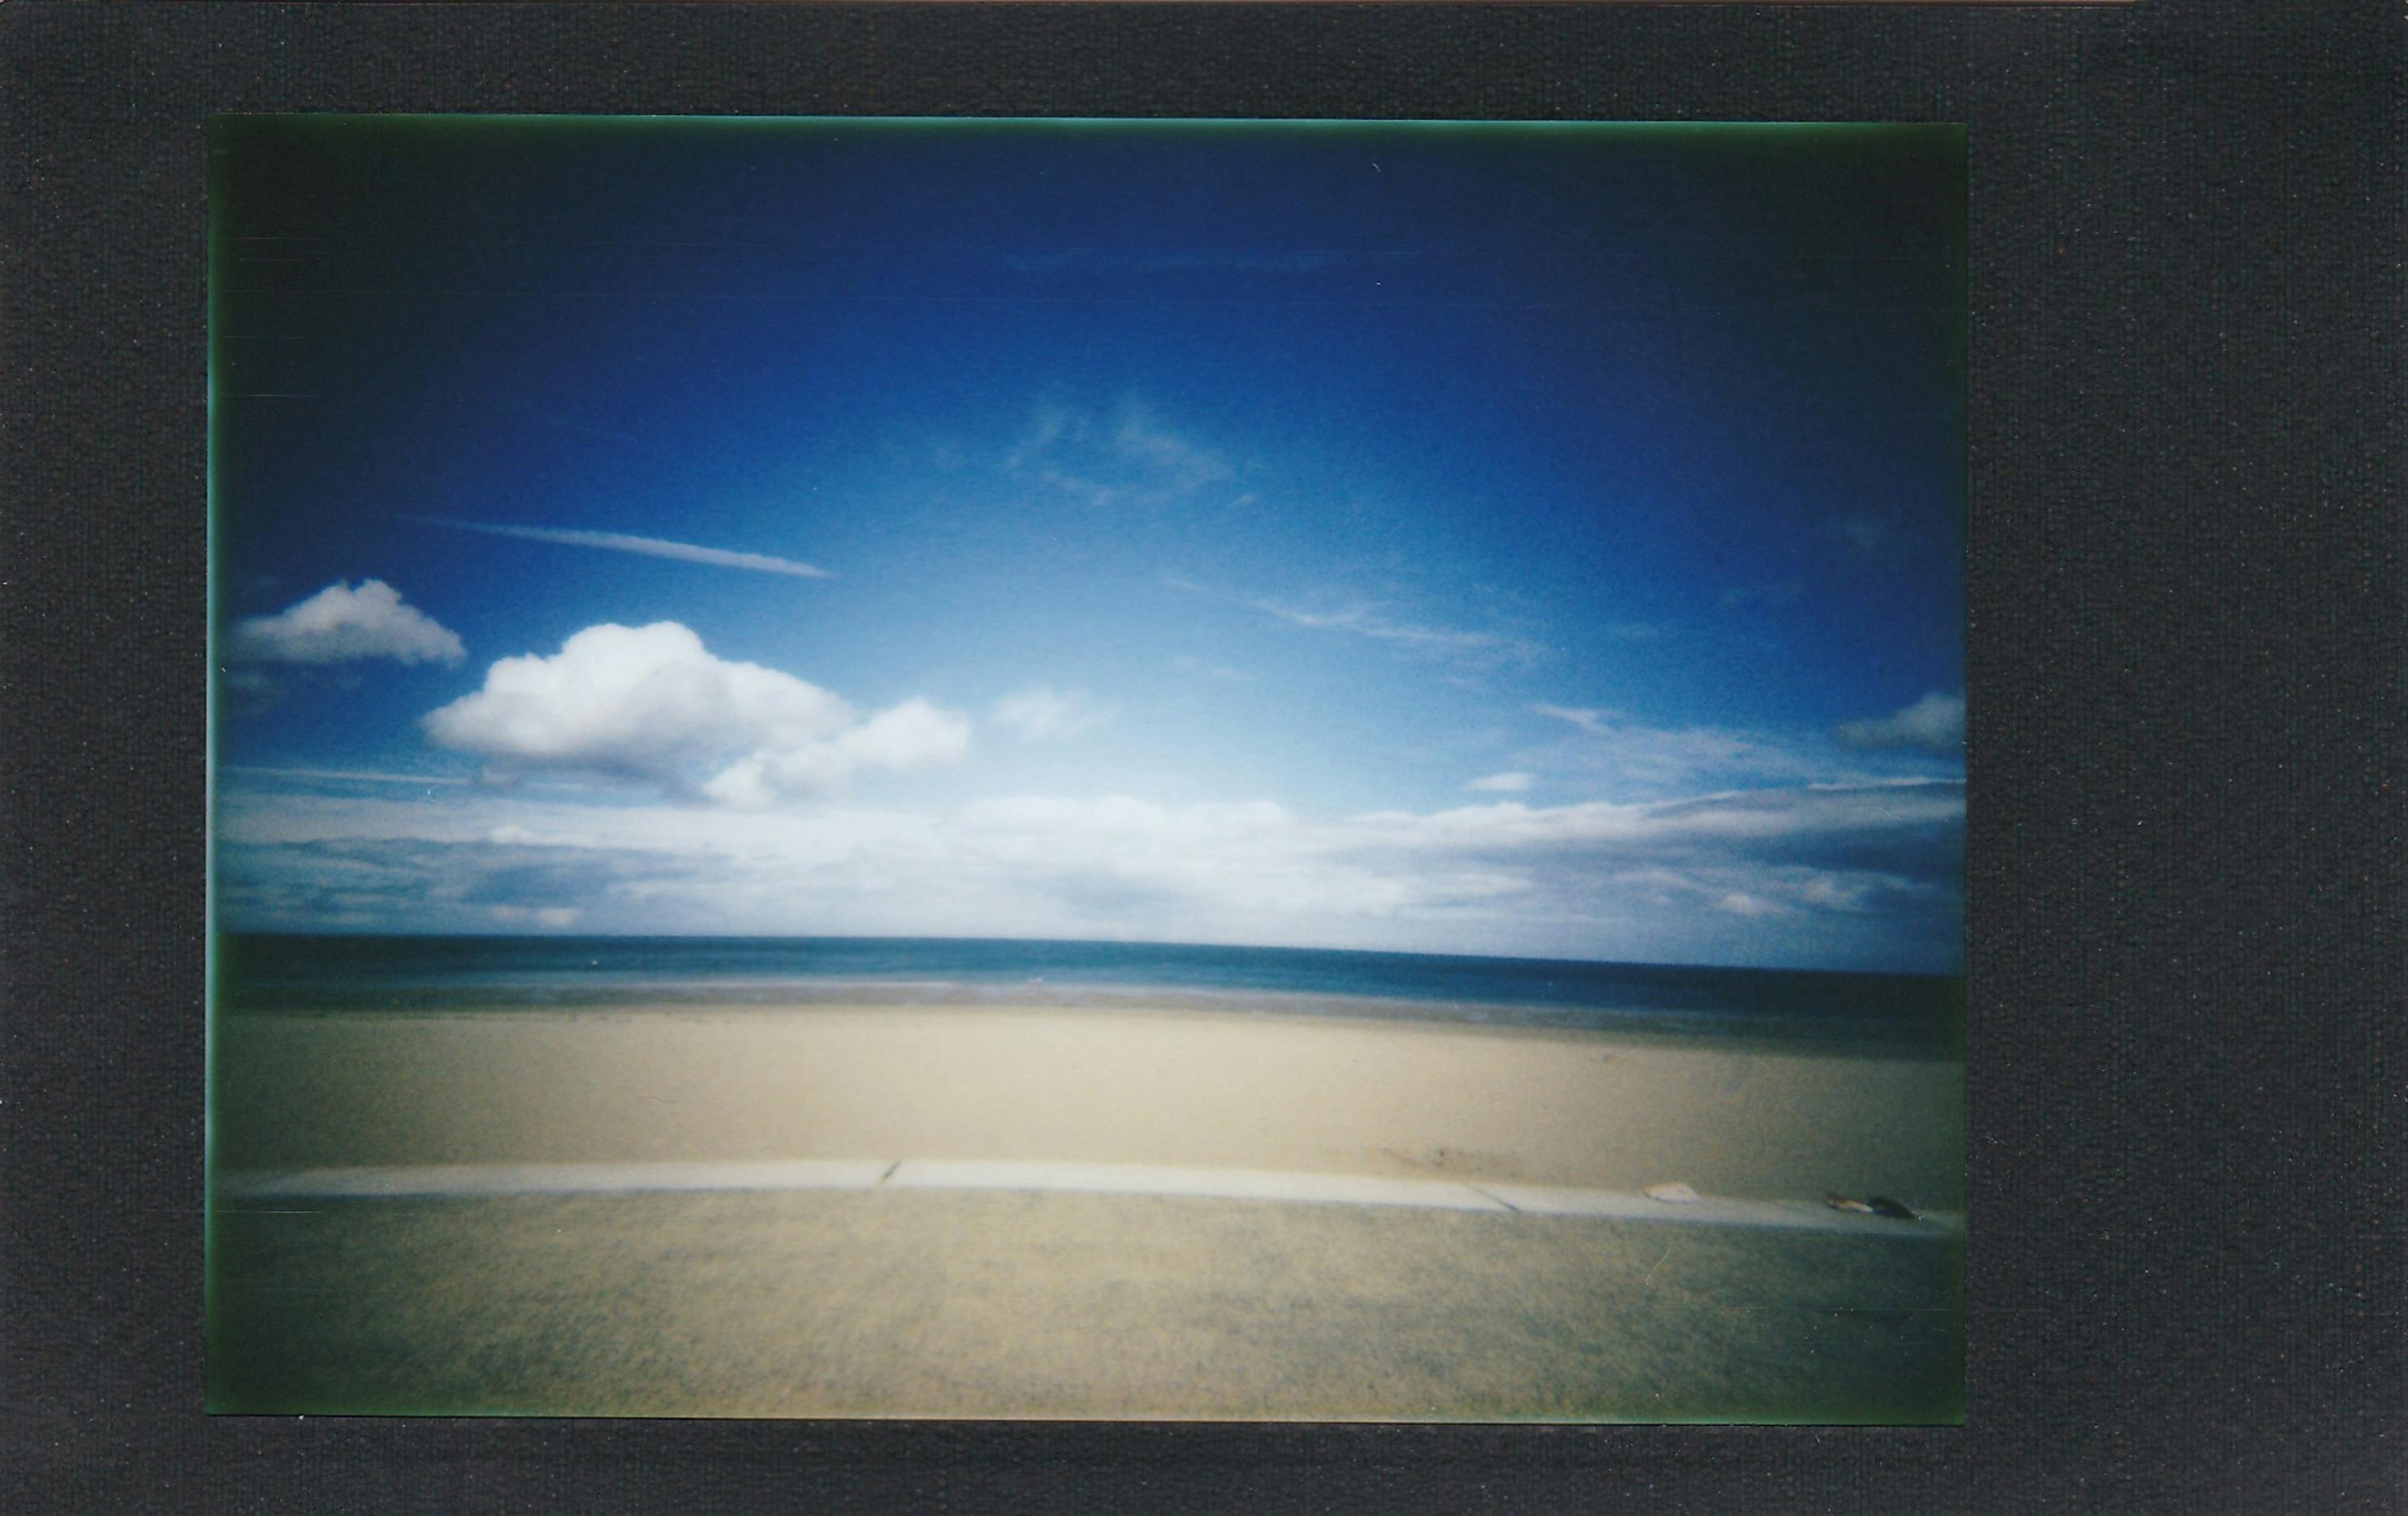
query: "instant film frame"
1381, 753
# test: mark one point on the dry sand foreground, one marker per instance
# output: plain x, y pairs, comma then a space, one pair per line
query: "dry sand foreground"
1138, 1087
989, 1303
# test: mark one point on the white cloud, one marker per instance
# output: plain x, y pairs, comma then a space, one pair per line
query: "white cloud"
1789, 823
1740, 903
1042, 714
1629, 759
914, 735
1507, 781
1935, 724
633, 700
339, 624
1868, 875
652, 702
648, 547
513, 834
551, 916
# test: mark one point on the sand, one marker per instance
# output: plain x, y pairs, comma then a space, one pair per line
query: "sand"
1200, 1090
851, 1291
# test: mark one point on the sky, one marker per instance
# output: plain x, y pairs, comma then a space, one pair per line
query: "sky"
1530, 540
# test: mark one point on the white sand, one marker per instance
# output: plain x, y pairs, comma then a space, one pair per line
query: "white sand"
1123, 1087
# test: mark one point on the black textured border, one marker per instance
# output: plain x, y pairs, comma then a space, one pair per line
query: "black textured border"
2186, 692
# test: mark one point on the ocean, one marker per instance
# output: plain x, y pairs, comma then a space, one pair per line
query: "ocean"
333, 974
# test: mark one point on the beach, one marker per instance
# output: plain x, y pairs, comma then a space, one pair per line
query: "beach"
1364, 1097
1049, 1212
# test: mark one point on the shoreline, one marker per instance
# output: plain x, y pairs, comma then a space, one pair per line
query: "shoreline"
1635, 1024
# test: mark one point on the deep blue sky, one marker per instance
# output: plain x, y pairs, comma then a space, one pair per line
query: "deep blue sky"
1354, 535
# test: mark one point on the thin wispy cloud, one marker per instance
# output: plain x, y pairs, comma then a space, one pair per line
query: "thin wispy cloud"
1042, 714
1443, 640
1935, 724
648, 547
1511, 782
347, 776
1138, 458
1610, 751
1173, 260
1766, 596
1590, 719
1144, 437
1867, 534
1187, 665
1464, 644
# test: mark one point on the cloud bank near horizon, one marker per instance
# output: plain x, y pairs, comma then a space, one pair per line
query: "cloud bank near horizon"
1851, 876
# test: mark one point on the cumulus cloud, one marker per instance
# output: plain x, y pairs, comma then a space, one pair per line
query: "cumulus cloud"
340, 624
1042, 714
1507, 781
914, 735
1935, 724
652, 704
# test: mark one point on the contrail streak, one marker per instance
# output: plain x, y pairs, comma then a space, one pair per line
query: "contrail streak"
650, 547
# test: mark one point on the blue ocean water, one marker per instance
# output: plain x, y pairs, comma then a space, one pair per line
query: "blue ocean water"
334, 974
